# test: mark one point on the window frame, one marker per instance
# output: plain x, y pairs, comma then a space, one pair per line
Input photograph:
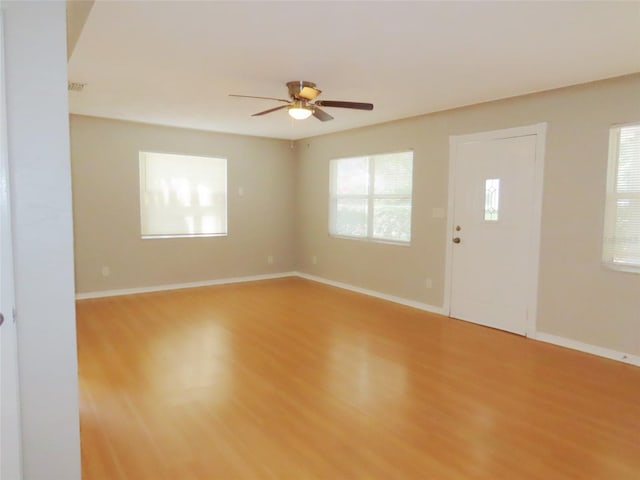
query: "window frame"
611, 201
142, 166
371, 197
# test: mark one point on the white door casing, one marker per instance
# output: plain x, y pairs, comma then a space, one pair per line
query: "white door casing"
492, 273
10, 438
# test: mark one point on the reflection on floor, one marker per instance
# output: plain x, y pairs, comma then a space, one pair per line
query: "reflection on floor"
290, 379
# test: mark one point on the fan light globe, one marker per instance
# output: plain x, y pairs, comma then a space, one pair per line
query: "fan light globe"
299, 113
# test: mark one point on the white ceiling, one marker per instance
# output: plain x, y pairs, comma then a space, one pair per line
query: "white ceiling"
174, 63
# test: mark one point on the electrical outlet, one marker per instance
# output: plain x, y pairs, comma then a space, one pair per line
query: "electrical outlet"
314, 260
270, 259
428, 283
106, 271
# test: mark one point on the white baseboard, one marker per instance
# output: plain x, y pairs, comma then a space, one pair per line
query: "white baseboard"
540, 336
178, 286
372, 293
587, 348
253, 278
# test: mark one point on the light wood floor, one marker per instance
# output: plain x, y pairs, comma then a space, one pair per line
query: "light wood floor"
293, 380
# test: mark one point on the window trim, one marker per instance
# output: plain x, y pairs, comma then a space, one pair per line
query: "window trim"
611, 198
370, 197
142, 170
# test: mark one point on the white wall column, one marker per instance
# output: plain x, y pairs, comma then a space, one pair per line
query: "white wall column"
38, 141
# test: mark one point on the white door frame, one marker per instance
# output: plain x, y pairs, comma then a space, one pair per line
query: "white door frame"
540, 130
10, 448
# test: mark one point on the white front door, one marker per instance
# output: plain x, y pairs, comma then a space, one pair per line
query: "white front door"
496, 190
10, 464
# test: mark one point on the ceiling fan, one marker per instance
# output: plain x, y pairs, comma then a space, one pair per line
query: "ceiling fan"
301, 103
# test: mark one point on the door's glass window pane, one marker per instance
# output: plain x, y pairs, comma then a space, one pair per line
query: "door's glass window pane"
491, 199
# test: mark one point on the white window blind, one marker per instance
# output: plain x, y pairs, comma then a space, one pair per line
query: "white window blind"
621, 244
370, 197
182, 195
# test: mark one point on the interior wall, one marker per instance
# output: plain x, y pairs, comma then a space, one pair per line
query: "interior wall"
578, 297
107, 209
38, 140
284, 211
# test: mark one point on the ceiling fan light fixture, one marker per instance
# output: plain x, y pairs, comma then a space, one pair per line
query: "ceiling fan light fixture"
302, 102
299, 111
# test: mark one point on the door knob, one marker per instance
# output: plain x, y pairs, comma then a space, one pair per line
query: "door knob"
456, 240
1, 319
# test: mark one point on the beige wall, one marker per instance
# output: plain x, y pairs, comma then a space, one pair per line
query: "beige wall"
107, 214
285, 209
578, 298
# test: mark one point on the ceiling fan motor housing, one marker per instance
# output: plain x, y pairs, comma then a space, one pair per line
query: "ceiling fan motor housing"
302, 90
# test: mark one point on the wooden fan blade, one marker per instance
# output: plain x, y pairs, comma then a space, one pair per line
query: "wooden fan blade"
339, 104
321, 115
263, 98
269, 111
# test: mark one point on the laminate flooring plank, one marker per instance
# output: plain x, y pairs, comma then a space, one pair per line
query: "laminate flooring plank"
294, 380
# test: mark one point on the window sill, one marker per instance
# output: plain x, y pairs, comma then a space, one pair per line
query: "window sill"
204, 235
622, 268
372, 240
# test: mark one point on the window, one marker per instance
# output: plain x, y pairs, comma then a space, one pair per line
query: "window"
491, 199
621, 245
370, 197
182, 196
